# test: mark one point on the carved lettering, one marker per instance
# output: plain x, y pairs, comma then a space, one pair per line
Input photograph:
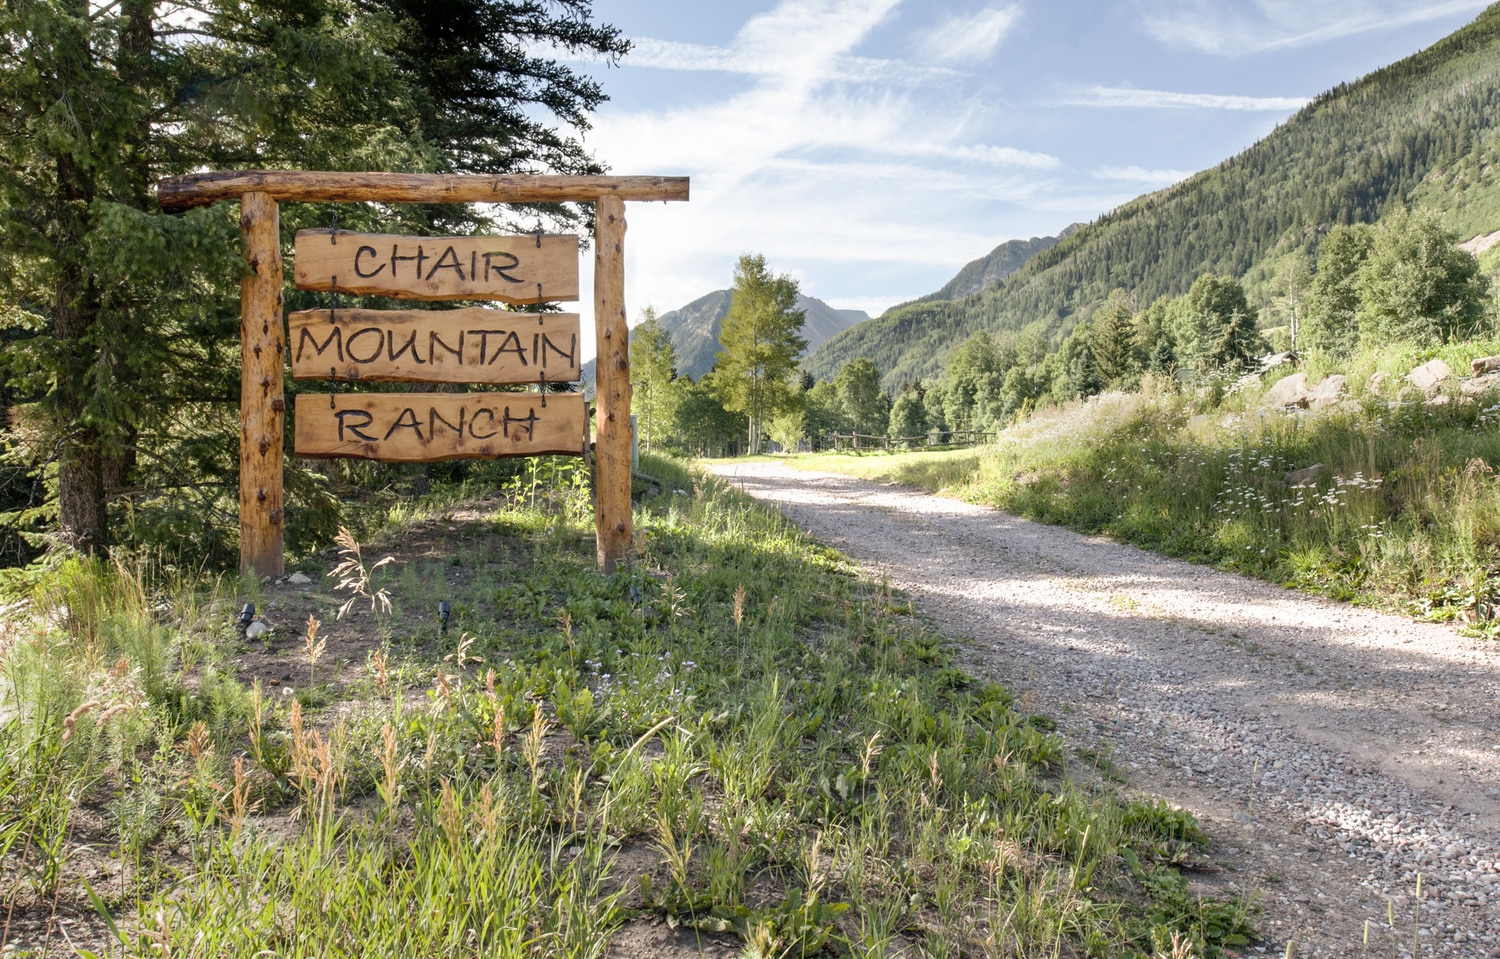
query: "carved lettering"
336, 337
448, 261
392, 354
354, 422
508, 261
359, 270
406, 421
379, 336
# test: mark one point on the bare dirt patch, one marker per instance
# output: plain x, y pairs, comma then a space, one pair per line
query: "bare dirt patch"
1333, 753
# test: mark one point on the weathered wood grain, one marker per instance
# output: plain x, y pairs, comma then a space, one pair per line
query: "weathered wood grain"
613, 526
472, 345
262, 404
178, 193
511, 269
430, 427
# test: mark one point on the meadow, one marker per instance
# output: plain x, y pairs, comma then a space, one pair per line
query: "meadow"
737, 739
1403, 515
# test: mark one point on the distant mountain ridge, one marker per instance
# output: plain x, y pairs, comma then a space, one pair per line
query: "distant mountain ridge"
996, 265
695, 330
975, 276
1424, 131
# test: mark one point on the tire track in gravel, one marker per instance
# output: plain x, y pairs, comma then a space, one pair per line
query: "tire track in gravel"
1333, 753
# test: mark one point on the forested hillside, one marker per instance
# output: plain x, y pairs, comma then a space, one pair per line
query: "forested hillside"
1421, 130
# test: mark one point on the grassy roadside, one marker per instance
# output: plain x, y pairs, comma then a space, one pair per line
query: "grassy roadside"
738, 736
1405, 513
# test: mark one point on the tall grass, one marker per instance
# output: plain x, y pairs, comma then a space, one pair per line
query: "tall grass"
780, 750
1405, 512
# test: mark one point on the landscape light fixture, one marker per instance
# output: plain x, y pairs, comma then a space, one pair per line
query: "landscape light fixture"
247, 616
444, 611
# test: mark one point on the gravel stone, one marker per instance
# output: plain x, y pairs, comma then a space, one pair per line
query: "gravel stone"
1333, 753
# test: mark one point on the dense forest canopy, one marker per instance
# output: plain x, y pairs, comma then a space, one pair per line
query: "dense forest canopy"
120, 322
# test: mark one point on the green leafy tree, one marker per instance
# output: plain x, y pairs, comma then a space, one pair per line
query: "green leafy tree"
653, 368
1417, 286
759, 343
1221, 332
823, 412
864, 405
121, 321
909, 414
1332, 323
701, 424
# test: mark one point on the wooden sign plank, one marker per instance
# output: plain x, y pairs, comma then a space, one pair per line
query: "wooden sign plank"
429, 427
472, 345
511, 269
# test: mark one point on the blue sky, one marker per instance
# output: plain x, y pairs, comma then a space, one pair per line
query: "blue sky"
870, 148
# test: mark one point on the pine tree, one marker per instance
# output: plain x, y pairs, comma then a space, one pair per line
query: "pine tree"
120, 321
1112, 342
759, 344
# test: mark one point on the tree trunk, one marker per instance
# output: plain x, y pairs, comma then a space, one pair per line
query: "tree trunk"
83, 518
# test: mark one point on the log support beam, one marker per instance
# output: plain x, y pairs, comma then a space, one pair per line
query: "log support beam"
612, 520
262, 403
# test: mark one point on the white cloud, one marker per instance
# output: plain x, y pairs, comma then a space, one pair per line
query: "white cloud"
1167, 99
961, 39
1136, 174
1226, 28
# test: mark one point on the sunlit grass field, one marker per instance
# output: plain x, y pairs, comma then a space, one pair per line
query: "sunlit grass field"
1404, 514
737, 736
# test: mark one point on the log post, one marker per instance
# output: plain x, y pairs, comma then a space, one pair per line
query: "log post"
262, 405
612, 520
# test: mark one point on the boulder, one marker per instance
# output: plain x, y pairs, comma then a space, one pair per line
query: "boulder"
1485, 364
299, 579
1328, 392
1430, 376
1376, 382
1480, 385
1305, 477
1288, 391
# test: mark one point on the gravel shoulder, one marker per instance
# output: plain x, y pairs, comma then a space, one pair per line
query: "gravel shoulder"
1333, 753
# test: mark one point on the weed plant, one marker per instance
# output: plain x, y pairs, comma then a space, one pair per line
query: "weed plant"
776, 748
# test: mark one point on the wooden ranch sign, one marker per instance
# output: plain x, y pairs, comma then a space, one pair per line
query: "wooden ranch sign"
472, 345
457, 346
430, 427
511, 269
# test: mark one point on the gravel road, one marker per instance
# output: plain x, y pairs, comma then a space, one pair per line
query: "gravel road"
1334, 754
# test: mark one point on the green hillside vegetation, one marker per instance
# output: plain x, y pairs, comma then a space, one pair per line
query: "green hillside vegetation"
1403, 514
995, 266
1421, 132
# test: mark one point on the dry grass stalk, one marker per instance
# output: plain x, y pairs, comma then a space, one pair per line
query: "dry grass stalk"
353, 576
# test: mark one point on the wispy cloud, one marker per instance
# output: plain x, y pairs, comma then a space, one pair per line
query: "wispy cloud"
1169, 99
972, 38
1228, 29
1137, 174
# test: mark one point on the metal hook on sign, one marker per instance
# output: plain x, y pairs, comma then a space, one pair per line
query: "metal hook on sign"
333, 388
333, 288
541, 385
333, 231
539, 297
538, 236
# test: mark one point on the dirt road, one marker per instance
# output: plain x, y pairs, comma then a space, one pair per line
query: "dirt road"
1333, 753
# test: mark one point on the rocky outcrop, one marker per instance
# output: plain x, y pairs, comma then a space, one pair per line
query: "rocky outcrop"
1430, 377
